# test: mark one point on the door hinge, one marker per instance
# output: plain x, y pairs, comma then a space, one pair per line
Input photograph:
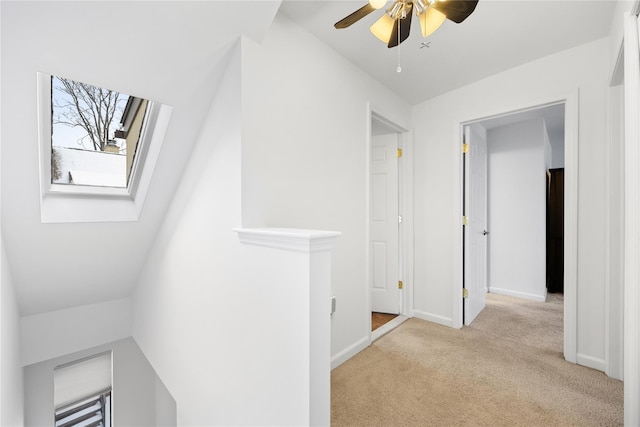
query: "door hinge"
465, 148
399, 152
465, 220
399, 284
465, 293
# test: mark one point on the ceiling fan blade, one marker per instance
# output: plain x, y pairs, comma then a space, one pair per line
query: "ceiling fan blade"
355, 16
401, 28
456, 10
430, 21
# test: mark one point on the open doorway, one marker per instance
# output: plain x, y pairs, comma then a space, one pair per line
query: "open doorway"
513, 207
386, 232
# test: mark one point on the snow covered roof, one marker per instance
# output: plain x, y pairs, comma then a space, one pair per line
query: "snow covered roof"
89, 167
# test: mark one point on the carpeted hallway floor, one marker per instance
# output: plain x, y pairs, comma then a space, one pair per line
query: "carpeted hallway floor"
506, 369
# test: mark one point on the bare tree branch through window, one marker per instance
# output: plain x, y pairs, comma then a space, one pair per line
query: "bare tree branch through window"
94, 109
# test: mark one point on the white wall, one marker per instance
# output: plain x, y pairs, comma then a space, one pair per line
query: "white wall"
223, 336
172, 64
517, 209
583, 69
11, 377
305, 156
615, 235
615, 197
48, 335
139, 396
192, 319
547, 148
557, 149
265, 157
166, 414
616, 33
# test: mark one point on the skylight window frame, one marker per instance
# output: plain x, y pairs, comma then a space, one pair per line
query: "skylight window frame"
83, 203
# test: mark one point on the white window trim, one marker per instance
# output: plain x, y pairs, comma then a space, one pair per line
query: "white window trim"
77, 203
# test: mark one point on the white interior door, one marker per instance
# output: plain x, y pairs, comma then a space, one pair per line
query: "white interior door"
384, 224
476, 233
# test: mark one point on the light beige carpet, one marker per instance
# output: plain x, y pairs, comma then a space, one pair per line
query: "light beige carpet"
506, 369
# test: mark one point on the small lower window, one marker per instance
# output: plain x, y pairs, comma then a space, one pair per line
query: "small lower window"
83, 392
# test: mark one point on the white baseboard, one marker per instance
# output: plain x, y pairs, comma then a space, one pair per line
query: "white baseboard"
388, 327
524, 295
590, 362
363, 343
441, 320
350, 351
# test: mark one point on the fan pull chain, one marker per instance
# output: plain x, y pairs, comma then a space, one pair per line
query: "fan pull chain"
399, 68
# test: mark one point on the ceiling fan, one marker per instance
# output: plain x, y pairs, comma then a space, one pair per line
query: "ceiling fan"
394, 26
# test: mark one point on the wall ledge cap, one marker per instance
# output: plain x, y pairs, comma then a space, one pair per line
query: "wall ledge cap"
292, 239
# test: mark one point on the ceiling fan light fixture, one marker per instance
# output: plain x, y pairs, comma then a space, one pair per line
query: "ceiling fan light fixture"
383, 28
430, 21
396, 10
377, 4
395, 25
420, 6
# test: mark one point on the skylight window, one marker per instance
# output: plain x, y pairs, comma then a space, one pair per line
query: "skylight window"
95, 133
98, 149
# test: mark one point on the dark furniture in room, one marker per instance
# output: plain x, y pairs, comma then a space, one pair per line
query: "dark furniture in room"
555, 230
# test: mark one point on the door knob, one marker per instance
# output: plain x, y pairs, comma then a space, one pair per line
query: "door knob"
485, 232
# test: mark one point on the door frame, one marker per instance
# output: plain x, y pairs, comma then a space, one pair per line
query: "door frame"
405, 209
570, 102
632, 217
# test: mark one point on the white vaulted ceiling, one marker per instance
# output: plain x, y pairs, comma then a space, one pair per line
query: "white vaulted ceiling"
170, 52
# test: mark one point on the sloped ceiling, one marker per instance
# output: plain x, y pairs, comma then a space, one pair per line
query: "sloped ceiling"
170, 52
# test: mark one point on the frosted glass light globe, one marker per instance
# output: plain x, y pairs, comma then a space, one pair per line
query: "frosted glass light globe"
377, 4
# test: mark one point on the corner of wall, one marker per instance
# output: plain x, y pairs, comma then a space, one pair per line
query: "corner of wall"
11, 375
48, 335
616, 31
192, 244
138, 394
